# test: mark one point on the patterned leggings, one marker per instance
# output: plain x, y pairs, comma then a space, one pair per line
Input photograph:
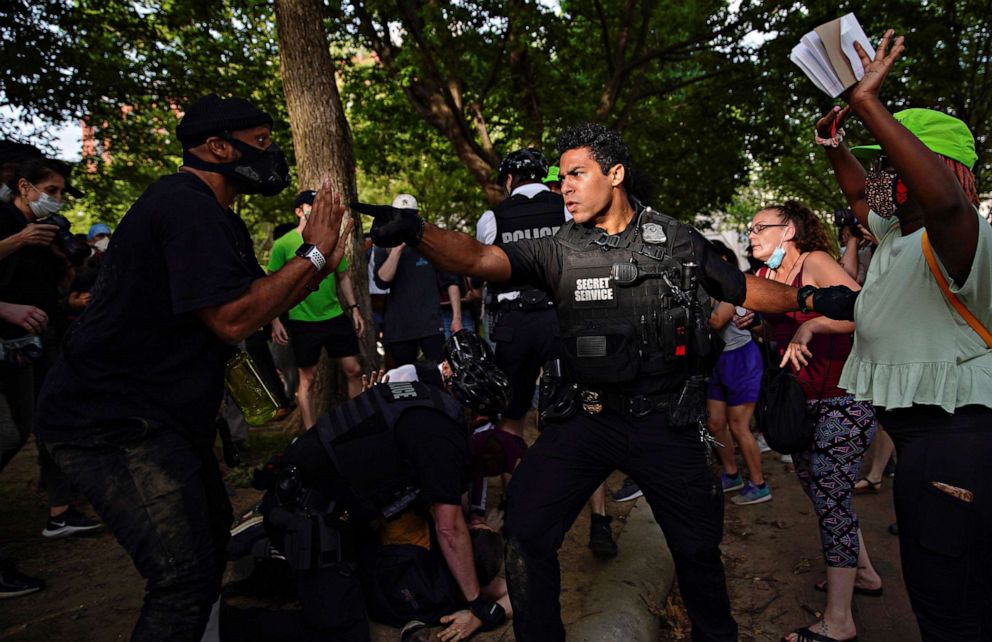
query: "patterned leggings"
829, 468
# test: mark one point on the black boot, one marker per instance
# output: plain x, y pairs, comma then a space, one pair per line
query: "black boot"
601, 536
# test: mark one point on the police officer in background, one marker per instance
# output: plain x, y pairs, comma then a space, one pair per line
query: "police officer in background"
625, 281
397, 451
525, 325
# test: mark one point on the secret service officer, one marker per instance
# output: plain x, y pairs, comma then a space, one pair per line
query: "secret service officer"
624, 279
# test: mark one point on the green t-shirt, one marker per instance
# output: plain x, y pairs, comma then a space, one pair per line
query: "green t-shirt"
320, 305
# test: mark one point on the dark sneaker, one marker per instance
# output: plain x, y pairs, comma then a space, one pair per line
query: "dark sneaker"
753, 495
601, 536
69, 523
731, 483
13, 583
628, 491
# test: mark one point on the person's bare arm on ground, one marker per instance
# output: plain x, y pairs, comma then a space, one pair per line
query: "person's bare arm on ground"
456, 546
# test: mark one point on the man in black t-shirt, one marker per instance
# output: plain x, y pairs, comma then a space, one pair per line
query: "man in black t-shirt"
625, 281
127, 411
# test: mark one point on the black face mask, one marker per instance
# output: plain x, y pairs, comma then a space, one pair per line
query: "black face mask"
259, 171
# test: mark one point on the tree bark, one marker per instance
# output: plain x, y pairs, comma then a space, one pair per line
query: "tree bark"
322, 141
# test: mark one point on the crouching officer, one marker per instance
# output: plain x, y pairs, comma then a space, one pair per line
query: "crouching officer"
624, 279
399, 447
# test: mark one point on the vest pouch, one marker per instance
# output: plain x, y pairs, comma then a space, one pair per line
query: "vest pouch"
605, 351
675, 335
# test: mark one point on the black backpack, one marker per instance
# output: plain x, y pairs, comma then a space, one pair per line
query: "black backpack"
781, 412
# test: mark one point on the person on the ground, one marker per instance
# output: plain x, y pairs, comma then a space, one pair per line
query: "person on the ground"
395, 454
793, 243
731, 393
412, 320
128, 409
34, 267
922, 354
330, 319
641, 384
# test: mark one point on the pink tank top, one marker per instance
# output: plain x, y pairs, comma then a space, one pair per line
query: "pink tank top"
830, 351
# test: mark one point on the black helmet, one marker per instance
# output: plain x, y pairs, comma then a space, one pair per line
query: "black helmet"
464, 347
524, 163
481, 386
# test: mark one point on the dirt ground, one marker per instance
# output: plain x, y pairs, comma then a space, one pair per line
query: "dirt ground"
771, 550
773, 557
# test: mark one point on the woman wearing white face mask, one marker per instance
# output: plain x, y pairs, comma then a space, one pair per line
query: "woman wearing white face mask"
793, 244
32, 267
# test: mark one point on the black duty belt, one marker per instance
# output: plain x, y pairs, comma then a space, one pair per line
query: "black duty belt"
594, 401
525, 306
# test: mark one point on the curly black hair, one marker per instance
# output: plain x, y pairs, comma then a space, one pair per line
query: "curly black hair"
606, 145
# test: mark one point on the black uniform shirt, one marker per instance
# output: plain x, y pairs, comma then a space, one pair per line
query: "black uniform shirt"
539, 262
139, 349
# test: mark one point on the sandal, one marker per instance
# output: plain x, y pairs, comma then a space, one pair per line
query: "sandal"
865, 485
806, 635
875, 592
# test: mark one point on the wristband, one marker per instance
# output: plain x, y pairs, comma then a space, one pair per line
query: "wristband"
833, 141
490, 613
354, 306
804, 292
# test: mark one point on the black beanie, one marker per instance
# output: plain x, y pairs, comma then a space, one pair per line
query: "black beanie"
212, 115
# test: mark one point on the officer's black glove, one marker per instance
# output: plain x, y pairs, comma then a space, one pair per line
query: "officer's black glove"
490, 613
392, 225
836, 302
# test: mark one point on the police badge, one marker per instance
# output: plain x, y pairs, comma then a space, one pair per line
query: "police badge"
653, 233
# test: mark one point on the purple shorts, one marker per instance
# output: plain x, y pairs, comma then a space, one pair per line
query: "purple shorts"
736, 379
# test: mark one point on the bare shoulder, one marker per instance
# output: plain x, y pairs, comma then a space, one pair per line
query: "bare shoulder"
822, 270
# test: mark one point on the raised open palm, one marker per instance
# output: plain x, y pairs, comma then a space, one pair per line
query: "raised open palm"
875, 70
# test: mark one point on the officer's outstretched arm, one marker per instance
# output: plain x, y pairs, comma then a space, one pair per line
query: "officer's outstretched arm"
454, 252
461, 254
765, 295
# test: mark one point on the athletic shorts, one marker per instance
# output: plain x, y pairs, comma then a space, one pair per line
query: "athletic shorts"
736, 379
336, 335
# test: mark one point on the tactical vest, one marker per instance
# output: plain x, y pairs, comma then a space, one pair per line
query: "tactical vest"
641, 338
359, 438
520, 217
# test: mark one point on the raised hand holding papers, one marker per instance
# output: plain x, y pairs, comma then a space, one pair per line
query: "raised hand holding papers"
827, 55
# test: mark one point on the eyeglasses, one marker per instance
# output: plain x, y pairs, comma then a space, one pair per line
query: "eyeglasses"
761, 227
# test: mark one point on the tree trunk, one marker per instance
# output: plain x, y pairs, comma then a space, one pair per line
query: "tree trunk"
322, 141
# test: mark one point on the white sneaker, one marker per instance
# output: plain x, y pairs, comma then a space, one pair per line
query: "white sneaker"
786, 459
763, 446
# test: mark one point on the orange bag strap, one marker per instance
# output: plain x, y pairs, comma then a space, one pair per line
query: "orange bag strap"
965, 313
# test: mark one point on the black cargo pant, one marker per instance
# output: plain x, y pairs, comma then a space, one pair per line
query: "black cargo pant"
559, 473
945, 537
164, 499
525, 341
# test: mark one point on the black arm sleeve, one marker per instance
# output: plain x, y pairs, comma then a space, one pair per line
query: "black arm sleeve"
536, 262
437, 449
721, 280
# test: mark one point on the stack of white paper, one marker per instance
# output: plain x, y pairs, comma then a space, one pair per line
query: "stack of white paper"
827, 55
